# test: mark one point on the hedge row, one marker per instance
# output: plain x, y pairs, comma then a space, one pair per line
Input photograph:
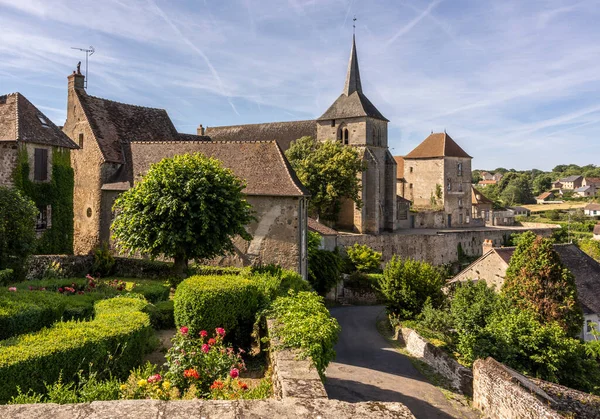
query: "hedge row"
120, 329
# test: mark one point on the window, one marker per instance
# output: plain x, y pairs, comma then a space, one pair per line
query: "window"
81, 140
410, 185
459, 202
333, 122
411, 169
460, 187
40, 164
346, 136
41, 221
449, 187
460, 218
43, 120
459, 169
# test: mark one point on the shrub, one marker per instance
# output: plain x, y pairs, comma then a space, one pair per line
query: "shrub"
324, 270
120, 328
104, 261
207, 302
363, 258
162, 314
275, 282
24, 312
407, 284
214, 270
363, 282
6, 276
153, 291
302, 321
17, 229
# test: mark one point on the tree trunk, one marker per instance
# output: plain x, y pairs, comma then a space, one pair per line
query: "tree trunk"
180, 265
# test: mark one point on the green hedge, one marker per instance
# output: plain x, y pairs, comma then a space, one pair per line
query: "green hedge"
207, 302
120, 329
162, 314
6, 276
152, 291
215, 270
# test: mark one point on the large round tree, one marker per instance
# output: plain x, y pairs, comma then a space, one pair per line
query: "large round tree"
185, 207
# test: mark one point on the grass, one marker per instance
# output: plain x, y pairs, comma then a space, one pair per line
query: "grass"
548, 207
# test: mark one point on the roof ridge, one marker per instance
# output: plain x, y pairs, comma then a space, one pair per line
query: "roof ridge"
126, 104
203, 142
259, 123
17, 125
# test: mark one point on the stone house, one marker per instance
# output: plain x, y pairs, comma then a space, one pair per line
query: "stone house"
117, 144
481, 206
591, 181
486, 175
34, 157
592, 210
438, 177
569, 183
545, 197
484, 183
492, 266
328, 235
520, 211
354, 121
586, 191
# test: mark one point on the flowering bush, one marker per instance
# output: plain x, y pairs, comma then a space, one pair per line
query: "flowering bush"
199, 362
146, 383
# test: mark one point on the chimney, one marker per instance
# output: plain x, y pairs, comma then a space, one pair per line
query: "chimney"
76, 81
200, 130
487, 246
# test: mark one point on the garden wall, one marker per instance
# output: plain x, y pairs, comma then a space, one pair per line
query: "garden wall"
459, 377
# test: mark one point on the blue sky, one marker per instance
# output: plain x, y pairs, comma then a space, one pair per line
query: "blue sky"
515, 82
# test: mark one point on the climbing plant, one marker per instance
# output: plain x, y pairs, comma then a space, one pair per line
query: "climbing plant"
58, 193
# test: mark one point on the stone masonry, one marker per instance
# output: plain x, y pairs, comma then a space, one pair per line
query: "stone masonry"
8, 162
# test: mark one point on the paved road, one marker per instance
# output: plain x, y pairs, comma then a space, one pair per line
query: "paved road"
367, 368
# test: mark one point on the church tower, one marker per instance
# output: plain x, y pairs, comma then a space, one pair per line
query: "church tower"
354, 121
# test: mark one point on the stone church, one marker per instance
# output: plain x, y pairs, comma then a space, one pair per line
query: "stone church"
353, 120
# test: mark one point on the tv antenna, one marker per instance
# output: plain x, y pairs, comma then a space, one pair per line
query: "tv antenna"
88, 52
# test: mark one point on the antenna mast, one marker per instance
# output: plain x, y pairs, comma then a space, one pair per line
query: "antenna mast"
88, 52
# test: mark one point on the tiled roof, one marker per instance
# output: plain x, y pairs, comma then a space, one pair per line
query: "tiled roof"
260, 163
487, 182
115, 122
20, 120
477, 198
592, 207
437, 145
322, 229
355, 105
597, 229
545, 195
570, 178
283, 132
592, 180
399, 167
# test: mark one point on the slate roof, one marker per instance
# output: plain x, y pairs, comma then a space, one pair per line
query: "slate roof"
283, 132
399, 167
322, 229
477, 198
583, 188
114, 122
585, 270
20, 120
592, 207
437, 145
570, 178
261, 164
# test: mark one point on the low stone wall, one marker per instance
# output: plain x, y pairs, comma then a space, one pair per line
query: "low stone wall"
580, 404
293, 377
500, 392
539, 225
221, 409
459, 377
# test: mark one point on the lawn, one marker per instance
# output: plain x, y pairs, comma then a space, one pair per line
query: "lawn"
548, 207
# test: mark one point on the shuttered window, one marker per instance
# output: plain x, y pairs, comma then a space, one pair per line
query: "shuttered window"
40, 164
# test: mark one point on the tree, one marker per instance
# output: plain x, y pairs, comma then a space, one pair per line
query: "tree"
476, 176
515, 189
363, 258
329, 170
542, 183
537, 280
17, 229
408, 284
185, 207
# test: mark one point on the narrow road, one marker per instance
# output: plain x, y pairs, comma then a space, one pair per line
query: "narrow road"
368, 368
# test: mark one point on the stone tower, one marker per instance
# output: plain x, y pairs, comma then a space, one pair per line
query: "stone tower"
353, 120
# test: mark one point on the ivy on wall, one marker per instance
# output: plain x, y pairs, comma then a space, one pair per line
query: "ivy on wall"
58, 193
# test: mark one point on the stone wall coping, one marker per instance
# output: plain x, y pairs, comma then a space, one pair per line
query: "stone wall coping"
222, 409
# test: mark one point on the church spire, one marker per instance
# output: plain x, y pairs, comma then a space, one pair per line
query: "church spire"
353, 76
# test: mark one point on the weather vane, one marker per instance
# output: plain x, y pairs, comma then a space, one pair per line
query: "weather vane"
88, 52
354, 25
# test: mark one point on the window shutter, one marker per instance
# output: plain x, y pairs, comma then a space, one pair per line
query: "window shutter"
41, 164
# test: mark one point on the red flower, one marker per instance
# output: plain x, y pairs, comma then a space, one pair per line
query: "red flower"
60, 290
220, 331
234, 373
184, 330
154, 378
217, 385
212, 341
243, 386
205, 348
203, 333
191, 373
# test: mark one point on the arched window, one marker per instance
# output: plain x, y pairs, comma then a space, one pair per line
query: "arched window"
345, 136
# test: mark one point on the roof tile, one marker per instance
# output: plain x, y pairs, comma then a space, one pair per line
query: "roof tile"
437, 145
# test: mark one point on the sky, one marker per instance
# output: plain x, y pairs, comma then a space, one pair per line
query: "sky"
516, 83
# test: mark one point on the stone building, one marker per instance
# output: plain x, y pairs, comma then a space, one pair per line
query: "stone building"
438, 178
117, 144
32, 152
354, 121
492, 266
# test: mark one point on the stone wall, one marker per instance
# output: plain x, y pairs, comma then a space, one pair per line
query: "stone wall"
8, 162
437, 248
582, 405
491, 268
209, 409
459, 377
500, 392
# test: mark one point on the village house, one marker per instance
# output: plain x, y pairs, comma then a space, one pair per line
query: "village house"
591, 181
118, 142
545, 197
328, 235
353, 121
481, 206
484, 183
492, 265
438, 179
592, 210
520, 211
33, 150
586, 191
568, 183
486, 175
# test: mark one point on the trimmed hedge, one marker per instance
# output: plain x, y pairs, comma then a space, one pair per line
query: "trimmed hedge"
162, 314
120, 329
208, 302
215, 270
152, 291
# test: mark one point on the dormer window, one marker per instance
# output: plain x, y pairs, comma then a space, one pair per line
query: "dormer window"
43, 120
